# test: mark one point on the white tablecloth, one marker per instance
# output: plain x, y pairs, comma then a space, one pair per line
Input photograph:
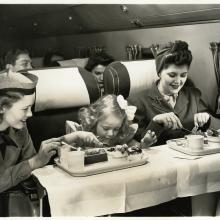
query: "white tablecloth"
114, 192
164, 178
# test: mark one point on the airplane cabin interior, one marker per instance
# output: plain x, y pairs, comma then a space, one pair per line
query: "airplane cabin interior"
58, 41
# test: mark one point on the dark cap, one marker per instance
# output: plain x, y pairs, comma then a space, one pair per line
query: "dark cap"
18, 82
178, 49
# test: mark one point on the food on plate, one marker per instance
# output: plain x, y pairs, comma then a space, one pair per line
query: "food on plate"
213, 132
123, 151
213, 137
95, 155
134, 153
119, 151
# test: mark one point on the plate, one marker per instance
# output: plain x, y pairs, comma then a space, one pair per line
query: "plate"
103, 167
181, 146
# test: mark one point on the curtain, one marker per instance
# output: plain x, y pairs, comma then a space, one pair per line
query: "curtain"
215, 48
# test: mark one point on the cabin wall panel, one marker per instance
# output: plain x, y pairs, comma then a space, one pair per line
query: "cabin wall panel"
8, 44
198, 36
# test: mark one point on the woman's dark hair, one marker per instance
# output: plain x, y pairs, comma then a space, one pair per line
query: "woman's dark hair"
172, 53
48, 59
98, 59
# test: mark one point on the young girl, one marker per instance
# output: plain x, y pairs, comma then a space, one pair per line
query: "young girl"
110, 119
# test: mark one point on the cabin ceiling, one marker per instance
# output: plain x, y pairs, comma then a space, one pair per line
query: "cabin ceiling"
44, 20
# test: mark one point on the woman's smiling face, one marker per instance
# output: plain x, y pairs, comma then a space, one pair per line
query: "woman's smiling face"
173, 78
19, 112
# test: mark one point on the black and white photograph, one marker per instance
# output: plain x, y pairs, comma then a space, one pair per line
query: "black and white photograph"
109, 109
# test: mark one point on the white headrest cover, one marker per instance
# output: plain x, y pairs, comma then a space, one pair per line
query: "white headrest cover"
64, 87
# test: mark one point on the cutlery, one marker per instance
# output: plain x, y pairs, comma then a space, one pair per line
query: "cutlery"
185, 129
102, 140
74, 148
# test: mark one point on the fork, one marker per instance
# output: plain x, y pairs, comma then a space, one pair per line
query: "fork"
102, 140
185, 129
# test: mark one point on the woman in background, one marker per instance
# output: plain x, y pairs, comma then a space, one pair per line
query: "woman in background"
97, 64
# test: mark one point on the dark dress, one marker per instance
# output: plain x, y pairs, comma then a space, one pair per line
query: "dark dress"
16, 149
151, 103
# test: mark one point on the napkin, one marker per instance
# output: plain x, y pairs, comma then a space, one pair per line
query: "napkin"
179, 155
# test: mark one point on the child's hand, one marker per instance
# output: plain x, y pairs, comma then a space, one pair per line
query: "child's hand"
82, 138
149, 139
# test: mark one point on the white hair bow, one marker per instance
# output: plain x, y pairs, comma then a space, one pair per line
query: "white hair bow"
129, 109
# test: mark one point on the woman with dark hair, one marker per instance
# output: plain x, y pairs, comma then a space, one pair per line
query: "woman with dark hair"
97, 64
171, 104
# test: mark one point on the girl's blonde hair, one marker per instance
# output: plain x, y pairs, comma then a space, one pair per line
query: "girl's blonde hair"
90, 116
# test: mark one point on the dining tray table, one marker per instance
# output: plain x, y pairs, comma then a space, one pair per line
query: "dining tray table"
112, 164
180, 145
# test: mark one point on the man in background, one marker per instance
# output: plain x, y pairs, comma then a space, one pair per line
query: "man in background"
17, 60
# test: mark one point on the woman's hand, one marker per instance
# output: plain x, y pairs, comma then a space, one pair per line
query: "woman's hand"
149, 139
168, 120
47, 149
201, 119
82, 138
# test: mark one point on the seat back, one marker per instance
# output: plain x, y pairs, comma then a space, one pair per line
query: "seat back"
60, 93
129, 77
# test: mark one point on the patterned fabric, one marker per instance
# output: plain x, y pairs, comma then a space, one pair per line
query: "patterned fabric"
116, 79
171, 99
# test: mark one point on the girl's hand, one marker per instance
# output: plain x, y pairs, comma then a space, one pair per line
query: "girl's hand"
47, 149
168, 120
201, 119
82, 138
149, 139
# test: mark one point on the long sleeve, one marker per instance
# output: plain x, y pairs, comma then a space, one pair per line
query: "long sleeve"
203, 107
143, 116
188, 104
14, 167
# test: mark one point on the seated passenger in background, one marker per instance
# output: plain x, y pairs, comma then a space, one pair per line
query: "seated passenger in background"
51, 58
171, 104
17, 60
110, 119
97, 64
17, 153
